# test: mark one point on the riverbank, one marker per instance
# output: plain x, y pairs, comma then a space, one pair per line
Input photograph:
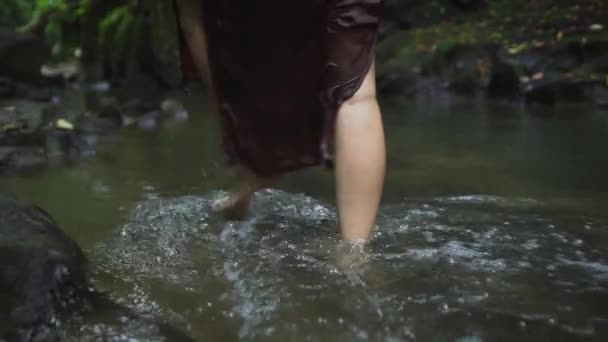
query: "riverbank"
530, 53
534, 52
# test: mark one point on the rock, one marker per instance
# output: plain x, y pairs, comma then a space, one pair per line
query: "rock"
6, 154
174, 109
469, 4
504, 81
553, 89
98, 86
21, 158
97, 125
68, 70
57, 146
43, 272
148, 121
45, 280
17, 127
22, 56
569, 55
112, 115
464, 69
600, 95
28, 158
397, 79
7, 88
527, 62
34, 93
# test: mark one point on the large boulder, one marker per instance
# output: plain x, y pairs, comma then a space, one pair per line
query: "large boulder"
45, 281
43, 272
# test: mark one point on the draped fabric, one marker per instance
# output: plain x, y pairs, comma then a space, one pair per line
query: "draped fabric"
281, 70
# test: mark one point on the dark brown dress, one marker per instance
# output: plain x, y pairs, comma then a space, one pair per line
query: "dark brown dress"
280, 71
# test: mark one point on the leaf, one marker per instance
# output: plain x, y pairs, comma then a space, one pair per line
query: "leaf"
560, 35
518, 48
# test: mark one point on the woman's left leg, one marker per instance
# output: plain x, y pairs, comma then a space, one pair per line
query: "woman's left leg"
360, 161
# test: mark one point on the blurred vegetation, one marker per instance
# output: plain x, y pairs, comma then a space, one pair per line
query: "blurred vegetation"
16, 12
59, 22
122, 35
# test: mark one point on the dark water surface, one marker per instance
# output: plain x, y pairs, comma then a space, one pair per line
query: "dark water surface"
493, 228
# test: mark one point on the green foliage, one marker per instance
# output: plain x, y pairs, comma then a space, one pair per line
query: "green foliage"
114, 27
61, 14
117, 31
15, 12
48, 17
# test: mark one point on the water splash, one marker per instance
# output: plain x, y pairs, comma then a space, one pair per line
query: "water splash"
470, 268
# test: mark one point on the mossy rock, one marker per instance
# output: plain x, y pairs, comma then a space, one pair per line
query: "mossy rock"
554, 88
463, 68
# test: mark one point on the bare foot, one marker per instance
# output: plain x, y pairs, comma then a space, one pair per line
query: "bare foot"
236, 205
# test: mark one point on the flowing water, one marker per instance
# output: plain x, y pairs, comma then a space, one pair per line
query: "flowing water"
493, 227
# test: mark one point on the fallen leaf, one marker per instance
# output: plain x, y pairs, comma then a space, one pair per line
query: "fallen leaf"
524, 79
560, 35
7, 127
64, 124
517, 49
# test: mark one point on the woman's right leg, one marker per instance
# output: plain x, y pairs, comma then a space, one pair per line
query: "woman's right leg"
190, 17
237, 203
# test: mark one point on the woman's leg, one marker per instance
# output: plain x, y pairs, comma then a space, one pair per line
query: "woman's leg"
237, 203
360, 161
190, 17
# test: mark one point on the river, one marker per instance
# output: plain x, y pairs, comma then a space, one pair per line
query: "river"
493, 227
